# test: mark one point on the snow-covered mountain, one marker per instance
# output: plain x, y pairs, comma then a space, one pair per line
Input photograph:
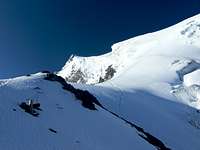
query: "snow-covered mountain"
179, 41
153, 81
142, 95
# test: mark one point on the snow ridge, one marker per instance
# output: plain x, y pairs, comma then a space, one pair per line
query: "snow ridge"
154, 82
178, 38
89, 101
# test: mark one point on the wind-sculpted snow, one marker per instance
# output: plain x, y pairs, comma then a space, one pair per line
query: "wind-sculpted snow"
192, 32
185, 66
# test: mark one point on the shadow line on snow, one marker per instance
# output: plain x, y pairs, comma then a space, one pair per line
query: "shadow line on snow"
89, 101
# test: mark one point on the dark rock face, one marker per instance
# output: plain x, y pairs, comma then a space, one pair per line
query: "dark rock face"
143, 134
87, 99
110, 71
76, 76
45, 71
31, 111
52, 130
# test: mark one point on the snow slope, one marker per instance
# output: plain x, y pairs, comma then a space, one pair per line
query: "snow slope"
62, 124
155, 82
142, 95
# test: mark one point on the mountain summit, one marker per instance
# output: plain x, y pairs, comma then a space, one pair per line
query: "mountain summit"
181, 40
143, 95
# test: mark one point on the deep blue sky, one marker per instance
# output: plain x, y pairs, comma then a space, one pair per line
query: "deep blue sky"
41, 34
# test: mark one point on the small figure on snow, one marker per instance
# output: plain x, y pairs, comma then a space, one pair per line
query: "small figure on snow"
31, 107
30, 104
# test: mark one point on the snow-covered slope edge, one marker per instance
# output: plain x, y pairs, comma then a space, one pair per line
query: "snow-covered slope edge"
62, 122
